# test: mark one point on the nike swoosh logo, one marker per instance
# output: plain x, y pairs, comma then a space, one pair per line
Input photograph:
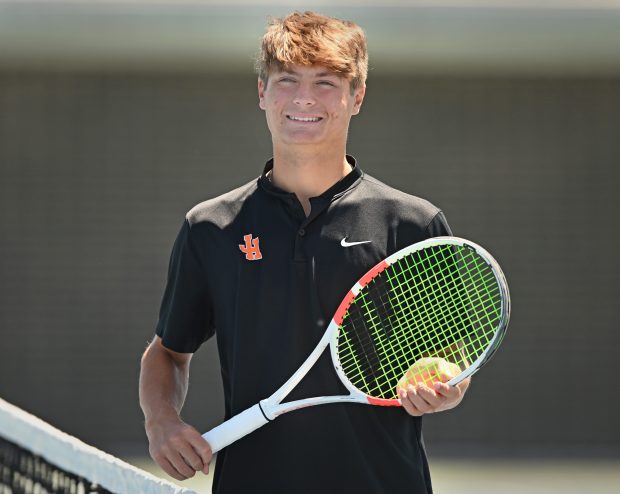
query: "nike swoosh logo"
344, 242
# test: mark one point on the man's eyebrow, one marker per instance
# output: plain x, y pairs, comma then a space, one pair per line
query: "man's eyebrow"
320, 74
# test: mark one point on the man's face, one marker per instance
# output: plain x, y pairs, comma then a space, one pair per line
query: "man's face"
308, 106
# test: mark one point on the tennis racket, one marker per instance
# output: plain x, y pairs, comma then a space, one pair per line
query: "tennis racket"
437, 303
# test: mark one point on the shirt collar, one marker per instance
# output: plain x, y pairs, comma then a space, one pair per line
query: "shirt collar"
349, 181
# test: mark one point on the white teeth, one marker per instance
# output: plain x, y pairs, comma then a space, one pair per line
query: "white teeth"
304, 119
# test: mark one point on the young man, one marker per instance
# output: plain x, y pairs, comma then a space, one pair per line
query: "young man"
266, 265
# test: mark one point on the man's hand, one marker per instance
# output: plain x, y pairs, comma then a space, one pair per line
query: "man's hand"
420, 399
178, 448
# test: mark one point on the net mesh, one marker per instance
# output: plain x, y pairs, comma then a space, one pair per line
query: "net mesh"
429, 315
21, 471
39, 459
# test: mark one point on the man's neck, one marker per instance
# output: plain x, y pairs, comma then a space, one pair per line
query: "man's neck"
308, 174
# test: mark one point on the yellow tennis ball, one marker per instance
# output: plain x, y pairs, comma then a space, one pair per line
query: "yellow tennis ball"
428, 370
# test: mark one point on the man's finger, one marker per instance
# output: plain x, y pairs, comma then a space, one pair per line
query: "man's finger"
407, 405
446, 390
429, 396
181, 466
203, 450
170, 470
418, 401
192, 458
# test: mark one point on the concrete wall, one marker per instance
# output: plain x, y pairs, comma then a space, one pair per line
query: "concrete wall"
97, 170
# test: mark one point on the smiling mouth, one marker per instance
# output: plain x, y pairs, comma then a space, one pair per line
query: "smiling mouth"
304, 119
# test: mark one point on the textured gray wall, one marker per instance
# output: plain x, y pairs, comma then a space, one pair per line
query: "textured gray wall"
97, 171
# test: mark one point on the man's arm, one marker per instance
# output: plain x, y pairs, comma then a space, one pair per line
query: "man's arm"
177, 447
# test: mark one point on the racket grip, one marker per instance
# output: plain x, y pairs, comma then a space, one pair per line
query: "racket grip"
235, 428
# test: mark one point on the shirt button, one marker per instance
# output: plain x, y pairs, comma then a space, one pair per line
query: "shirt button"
301, 232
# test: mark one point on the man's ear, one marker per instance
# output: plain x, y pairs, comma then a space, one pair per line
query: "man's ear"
261, 94
360, 92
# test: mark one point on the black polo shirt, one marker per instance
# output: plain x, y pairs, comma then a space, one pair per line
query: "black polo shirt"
252, 268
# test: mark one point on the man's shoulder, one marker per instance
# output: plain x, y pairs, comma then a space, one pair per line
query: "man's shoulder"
223, 208
413, 217
397, 200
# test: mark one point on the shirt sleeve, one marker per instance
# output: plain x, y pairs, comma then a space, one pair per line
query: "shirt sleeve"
438, 227
185, 313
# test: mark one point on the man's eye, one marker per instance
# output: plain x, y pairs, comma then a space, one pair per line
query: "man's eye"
287, 79
326, 83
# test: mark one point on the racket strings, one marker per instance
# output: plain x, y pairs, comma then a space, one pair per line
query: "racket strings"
403, 321
435, 321
395, 374
362, 343
476, 311
431, 320
377, 326
422, 305
378, 295
401, 357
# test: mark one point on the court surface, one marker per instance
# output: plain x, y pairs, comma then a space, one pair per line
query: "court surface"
540, 476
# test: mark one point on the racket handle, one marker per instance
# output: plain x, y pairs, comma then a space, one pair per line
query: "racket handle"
235, 428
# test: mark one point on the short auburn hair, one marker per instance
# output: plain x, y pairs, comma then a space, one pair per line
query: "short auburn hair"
309, 38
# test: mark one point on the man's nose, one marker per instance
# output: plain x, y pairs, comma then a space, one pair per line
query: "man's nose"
304, 96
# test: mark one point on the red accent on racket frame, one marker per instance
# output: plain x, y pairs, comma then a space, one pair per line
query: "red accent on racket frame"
382, 402
344, 305
364, 280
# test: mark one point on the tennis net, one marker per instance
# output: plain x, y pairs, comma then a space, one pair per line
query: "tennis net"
39, 459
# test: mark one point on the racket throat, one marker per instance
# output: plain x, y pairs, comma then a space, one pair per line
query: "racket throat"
290, 406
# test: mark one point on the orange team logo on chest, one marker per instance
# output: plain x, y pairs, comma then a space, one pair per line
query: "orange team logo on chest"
250, 248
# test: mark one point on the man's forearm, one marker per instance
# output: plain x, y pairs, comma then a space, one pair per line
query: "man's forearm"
177, 447
163, 383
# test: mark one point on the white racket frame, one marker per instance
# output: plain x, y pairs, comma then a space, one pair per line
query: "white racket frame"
270, 408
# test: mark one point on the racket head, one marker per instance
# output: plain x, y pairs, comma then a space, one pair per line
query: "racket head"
418, 313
